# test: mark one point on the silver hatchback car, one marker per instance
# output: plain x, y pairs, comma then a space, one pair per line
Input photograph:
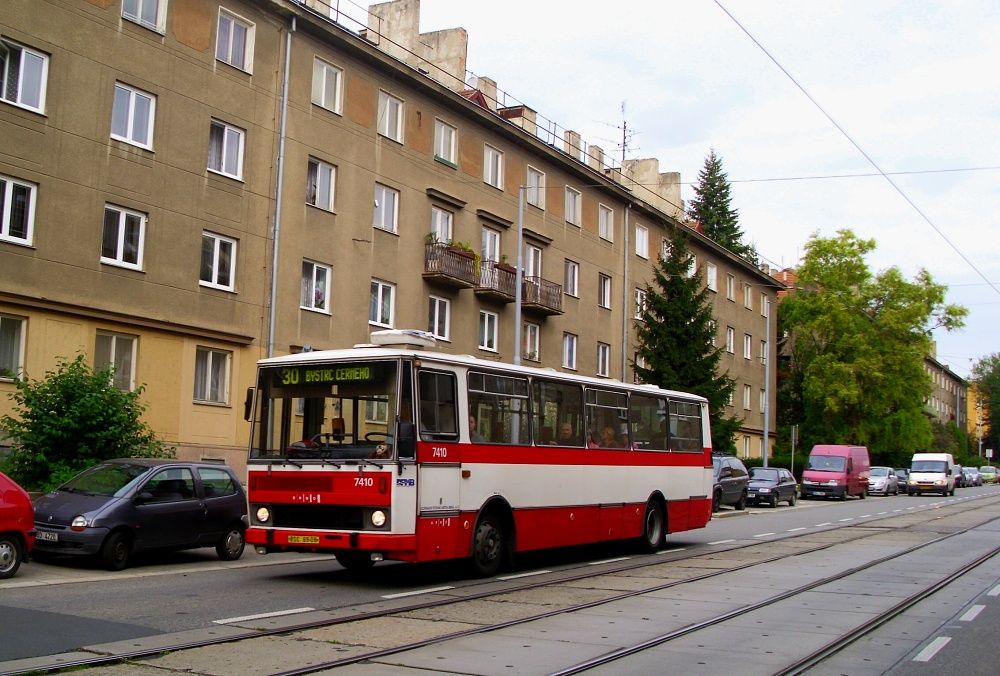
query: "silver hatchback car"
883, 481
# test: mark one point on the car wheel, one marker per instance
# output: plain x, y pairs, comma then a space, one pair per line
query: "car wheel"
864, 493
489, 545
230, 547
716, 500
774, 502
116, 550
355, 560
791, 500
742, 503
11, 555
653, 532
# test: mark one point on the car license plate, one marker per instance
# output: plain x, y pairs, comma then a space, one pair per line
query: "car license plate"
751, 495
303, 539
45, 535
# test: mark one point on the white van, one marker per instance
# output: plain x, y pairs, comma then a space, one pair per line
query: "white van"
931, 473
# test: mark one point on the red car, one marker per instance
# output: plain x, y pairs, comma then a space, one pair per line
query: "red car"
17, 526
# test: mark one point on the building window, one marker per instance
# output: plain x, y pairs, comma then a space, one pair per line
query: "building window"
444, 142
532, 261
491, 245
748, 297
573, 206
535, 192
23, 74
729, 399
746, 446
532, 341
116, 352
569, 351
225, 149
11, 347
746, 397
488, 330
17, 210
692, 266
730, 288
132, 116
640, 303
571, 281
747, 346
321, 181
234, 43
641, 241
148, 13
390, 117
664, 248
605, 223
439, 317
441, 224
211, 376
603, 359
122, 240
386, 208
711, 277
764, 304
763, 400
315, 287
730, 340
763, 352
604, 291
714, 328
327, 85
382, 304
492, 166
218, 261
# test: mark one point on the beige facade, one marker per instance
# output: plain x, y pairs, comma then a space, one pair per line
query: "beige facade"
948, 401
164, 171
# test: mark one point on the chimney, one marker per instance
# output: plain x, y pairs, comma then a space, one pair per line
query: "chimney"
488, 87
522, 116
572, 144
595, 157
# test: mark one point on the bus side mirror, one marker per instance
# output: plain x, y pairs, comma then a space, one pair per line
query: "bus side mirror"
406, 437
248, 404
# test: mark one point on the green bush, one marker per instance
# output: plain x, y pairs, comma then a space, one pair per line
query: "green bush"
71, 419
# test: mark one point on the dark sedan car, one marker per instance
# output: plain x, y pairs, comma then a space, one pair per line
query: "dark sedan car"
139, 504
730, 476
17, 527
771, 485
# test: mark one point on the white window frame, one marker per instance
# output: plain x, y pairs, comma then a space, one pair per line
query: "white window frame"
118, 345
748, 297
138, 11
227, 135
603, 359
444, 142
124, 219
693, 267
569, 351
442, 224
762, 403
573, 206
315, 276
439, 317
604, 291
321, 184
327, 85
571, 278
492, 166
763, 352
488, 330
219, 243
534, 192
712, 277
730, 287
715, 329
642, 241
532, 341
747, 395
764, 304
34, 99
747, 346
605, 223
6, 210
390, 116
212, 362
664, 247
383, 213
226, 49
532, 260
490, 249
730, 340
12, 353
640, 303
133, 131
382, 304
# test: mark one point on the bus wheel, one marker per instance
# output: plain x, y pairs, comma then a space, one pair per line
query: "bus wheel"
354, 560
488, 546
653, 532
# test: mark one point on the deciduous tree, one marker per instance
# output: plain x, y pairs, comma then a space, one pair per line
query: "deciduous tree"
986, 375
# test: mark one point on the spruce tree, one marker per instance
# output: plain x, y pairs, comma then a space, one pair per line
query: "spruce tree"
711, 208
675, 340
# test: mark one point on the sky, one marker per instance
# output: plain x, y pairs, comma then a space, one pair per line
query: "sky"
913, 83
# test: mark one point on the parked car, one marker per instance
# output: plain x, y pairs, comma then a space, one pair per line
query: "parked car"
959, 476
902, 474
989, 474
124, 506
883, 481
771, 485
971, 477
836, 470
931, 473
731, 481
17, 526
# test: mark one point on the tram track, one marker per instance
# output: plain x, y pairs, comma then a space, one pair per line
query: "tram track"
741, 558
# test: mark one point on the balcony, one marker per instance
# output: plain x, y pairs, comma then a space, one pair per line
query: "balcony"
448, 266
540, 296
497, 281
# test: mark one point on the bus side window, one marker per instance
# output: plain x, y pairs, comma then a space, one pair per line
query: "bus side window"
438, 420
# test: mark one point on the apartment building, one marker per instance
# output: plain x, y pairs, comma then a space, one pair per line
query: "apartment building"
948, 400
188, 186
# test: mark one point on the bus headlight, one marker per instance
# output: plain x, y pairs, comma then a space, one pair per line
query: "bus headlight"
263, 514
378, 518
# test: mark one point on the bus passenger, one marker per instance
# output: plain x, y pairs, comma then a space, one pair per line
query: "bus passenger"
474, 434
566, 436
608, 438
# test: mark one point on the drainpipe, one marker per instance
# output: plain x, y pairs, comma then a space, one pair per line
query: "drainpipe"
625, 291
276, 230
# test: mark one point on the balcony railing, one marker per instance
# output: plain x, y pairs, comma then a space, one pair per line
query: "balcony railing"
449, 266
497, 281
540, 296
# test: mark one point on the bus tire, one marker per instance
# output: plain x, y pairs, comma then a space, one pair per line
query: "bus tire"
489, 545
354, 560
653, 527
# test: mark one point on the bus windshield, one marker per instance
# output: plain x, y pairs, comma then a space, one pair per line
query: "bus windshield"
331, 411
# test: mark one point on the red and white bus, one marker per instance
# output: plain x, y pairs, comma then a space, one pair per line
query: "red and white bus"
397, 451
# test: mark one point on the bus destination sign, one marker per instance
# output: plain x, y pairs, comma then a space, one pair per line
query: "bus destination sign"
329, 374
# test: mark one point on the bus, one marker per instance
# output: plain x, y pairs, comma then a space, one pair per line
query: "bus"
395, 451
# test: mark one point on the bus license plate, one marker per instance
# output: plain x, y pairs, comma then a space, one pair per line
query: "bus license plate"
303, 539
45, 535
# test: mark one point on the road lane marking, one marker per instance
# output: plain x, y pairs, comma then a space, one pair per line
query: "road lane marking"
261, 616
763, 535
995, 591
825, 523
850, 518
620, 558
416, 592
792, 530
721, 542
928, 653
971, 613
881, 513
864, 516
528, 574
671, 551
